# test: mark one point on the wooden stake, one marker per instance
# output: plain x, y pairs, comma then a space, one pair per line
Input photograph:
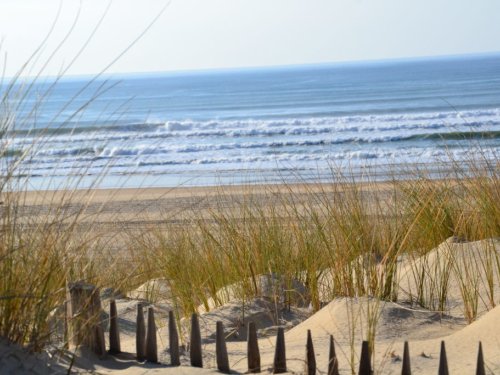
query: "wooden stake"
151, 346
253, 353
333, 363
114, 333
173, 340
406, 370
140, 334
365, 367
310, 357
221, 350
100, 344
280, 353
480, 370
195, 345
443, 361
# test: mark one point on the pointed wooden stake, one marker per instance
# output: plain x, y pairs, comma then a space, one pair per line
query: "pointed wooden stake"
365, 367
221, 350
443, 361
151, 346
114, 333
140, 334
280, 353
195, 345
333, 364
310, 357
406, 370
253, 353
173, 340
100, 345
480, 370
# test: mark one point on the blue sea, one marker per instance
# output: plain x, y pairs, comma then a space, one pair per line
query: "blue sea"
253, 125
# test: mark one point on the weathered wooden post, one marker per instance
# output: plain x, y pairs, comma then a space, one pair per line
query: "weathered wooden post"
173, 340
310, 357
443, 361
221, 350
99, 343
280, 353
114, 333
365, 367
480, 370
151, 346
333, 363
195, 344
253, 353
406, 370
84, 317
140, 334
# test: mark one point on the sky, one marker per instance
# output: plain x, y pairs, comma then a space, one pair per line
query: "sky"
215, 34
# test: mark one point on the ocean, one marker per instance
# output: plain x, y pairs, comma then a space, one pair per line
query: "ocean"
275, 124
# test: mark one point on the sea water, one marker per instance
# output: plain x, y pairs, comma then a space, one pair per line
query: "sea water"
253, 125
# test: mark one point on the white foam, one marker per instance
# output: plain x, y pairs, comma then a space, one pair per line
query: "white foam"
245, 143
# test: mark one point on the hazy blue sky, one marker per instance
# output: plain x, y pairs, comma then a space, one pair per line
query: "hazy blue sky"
204, 34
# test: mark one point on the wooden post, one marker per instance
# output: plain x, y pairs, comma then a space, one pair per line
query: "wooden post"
365, 367
114, 333
253, 353
406, 370
310, 357
333, 363
151, 346
140, 334
280, 353
84, 317
221, 350
99, 344
173, 340
443, 361
195, 345
480, 370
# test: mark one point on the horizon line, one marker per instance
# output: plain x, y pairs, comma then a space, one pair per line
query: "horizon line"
138, 74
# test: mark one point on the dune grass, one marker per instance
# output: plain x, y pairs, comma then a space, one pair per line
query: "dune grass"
338, 239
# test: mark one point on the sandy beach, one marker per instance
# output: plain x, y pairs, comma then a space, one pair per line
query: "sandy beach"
114, 215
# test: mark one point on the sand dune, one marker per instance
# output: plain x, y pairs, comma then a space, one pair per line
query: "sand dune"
349, 320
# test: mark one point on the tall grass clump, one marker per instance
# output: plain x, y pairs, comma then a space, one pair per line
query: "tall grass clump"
339, 239
461, 208
43, 245
49, 238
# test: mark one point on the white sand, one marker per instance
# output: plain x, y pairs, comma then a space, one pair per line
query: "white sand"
347, 319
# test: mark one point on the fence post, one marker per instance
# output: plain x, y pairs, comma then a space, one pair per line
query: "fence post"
443, 361
99, 343
84, 317
365, 367
195, 344
221, 349
173, 340
140, 334
333, 364
280, 353
310, 357
114, 333
253, 353
480, 370
151, 346
406, 370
